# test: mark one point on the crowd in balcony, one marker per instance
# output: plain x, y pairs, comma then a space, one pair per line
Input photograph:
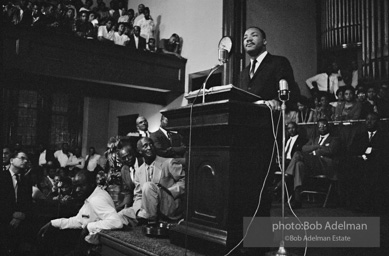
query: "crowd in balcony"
114, 24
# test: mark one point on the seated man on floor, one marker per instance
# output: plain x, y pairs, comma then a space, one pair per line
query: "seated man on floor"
159, 185
316, 158
97, 213
367, 177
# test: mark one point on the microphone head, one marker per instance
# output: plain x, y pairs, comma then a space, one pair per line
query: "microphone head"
223, 55
283, 85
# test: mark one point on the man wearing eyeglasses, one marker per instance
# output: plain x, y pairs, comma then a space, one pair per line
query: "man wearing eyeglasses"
16, 202
316, 158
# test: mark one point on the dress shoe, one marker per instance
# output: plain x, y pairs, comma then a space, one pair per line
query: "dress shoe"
296, 205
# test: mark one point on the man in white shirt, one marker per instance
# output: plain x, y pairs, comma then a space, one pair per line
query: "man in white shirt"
119, 38
98, 213
105, 33
326, 82
63, 155
146, 25
76, 162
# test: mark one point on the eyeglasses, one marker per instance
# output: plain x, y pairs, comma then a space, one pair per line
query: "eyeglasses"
322, 126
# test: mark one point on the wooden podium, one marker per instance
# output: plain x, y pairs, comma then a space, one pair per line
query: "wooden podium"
231, 143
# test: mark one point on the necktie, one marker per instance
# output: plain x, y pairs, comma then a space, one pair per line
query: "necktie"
252, 70
287, 148
150, 172
328, 84
321, 140
17, 178
370, 136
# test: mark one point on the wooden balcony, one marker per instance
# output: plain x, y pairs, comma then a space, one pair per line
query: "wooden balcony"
89, 65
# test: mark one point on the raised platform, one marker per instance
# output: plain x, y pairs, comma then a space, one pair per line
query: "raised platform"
131, 241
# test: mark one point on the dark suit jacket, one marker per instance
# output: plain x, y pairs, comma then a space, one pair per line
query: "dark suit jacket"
265, 82
326, 154
166, 147
141, 43
298, 145
7, 197
379, 144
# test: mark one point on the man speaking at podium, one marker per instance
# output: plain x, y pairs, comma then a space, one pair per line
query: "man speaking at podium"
265, 71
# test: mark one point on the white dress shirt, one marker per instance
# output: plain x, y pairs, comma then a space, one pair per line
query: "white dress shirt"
92, 162
97, 213
289, 146
322, 82
259, 61
62, 158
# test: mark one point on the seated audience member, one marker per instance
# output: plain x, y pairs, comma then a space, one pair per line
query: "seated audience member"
47, 184
171, 45
84, 28
103, 11
304, 114
127, 158
131, 17
76, 162
339, 96
67, 22
63, 155
98, 213
6, 157
48, 19
136, 41
383, 100
36, 15
16, 203
105, 32
367, 179
167, 143
146, 25
325, 109
350, 109
119, 38
316, 158
159, 185
294, 143
361, 95
370, 104
93, 19
92, 160
151, 47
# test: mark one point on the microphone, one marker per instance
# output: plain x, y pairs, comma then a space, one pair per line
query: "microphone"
283, 92
223, 55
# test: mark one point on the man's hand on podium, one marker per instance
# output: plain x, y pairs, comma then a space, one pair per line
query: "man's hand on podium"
272, 104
